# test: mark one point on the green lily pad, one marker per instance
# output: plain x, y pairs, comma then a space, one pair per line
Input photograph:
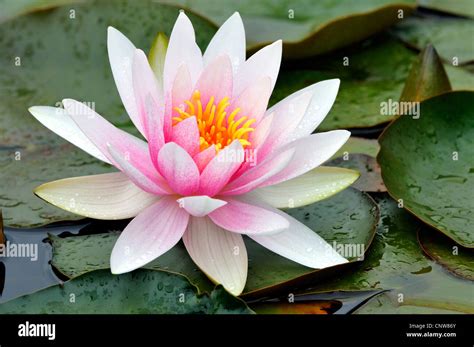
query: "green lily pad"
377, 71
370, 179
139, 292
454, 258
427, 162
458, 7
447, 34
76, 255
427, 77
346, 218
307, 28
11, 9
61, 57
395, 262
358, 145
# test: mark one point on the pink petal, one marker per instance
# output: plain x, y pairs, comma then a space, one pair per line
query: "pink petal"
182, 49
150, 102
253, 100
254, 177
220, 254
182, 91
310, 152
179, 169
265, 62
243, 218
136, 168
220, 169
216, 80
121, 52
200, 206
230, 40
152, 233
286, 119
186, 135
204, 157
101, 133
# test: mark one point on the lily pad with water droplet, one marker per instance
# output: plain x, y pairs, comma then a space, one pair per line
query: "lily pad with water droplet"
448, 34
138, 292
395, 262
454, 258
47, 56
428, 163
307, 28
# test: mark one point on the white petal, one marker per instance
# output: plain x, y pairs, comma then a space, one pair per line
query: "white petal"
200, 206
153, 232
265, 62
315, 185
300, 244
230, 40
106, 196
121, 52
220, 254
324, 94
57, 120
310, 152
182, 49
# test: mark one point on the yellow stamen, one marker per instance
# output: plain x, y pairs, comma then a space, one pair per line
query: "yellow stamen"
216, 126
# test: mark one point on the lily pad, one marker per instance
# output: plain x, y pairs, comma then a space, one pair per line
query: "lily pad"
458, 7
307, 28
370, 179
454, 258
47, 56
395, 262
427, 77
447, 34
427, 162
346, 218
376, 72
139, 292
11, 9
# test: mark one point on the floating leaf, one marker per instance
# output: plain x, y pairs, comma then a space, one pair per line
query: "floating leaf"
11, 9
458, 7
307, 28
427, 162
372, 72
427, 77
34, 71
157, 55
444, 251
138, 292
447, 34
370, 179
346, 218
395, 262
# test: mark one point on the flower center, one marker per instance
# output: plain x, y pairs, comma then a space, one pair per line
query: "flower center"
216, 126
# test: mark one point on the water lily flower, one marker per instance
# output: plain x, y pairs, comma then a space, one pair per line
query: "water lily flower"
215, 164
